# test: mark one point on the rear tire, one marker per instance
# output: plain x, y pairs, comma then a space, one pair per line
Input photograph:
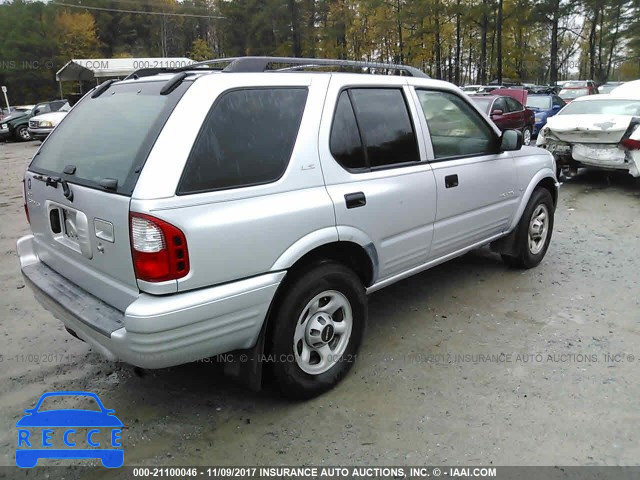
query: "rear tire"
526, 136
533, 233
317, 329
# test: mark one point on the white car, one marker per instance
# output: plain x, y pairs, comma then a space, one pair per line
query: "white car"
628, 88
601, 131
41, 126
471, 89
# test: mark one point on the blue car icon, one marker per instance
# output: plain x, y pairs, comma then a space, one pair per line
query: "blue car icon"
64, 421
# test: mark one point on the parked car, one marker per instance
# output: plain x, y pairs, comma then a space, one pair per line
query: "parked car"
628, 88
41, 126
505, 109
248, 212
471, 89
16, 125
608, 87
543, 107
602, 131
573, 89
15, 111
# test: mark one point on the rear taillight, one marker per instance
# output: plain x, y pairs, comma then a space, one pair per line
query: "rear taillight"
631, 144
158, 248
26, 207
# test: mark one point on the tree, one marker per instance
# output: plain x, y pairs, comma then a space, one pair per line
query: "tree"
200, 50
76, 35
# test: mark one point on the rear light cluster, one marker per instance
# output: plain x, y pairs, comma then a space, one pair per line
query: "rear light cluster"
631, 143
26, 207
159, 249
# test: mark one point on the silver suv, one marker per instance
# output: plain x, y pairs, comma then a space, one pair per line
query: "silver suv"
250, 209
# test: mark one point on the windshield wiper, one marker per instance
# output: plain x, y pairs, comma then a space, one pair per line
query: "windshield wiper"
53, 182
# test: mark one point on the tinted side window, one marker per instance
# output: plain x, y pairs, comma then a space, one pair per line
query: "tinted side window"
514, 105
246, 139
345, 143
456, 129
44, 108
500, 104
385, 126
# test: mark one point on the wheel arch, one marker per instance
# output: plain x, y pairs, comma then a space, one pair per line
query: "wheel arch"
545, 178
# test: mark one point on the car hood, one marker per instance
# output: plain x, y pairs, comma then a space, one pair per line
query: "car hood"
53, 117
519, 94
69, 418
589, 128
14, 116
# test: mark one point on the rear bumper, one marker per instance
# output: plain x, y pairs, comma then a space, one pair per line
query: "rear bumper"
155, 331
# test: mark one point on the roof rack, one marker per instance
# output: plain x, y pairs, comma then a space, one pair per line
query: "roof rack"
261, 64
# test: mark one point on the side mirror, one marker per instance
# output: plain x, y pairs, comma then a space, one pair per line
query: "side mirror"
510, 140
555, 108
36, 112
496, 112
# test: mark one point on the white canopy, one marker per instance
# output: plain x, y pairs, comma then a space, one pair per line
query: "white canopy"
90, 69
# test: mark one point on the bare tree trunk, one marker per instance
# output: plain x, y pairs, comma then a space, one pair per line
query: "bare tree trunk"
614, 39
437, 45
499, 43
553, 61
592, 43
295, 31
458, 39
484, 27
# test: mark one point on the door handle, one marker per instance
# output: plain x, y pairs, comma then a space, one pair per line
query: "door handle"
451, 181
355, 200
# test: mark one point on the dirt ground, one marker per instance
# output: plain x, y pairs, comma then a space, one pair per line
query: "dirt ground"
468, 363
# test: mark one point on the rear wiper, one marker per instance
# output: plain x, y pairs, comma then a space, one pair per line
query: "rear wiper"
53, 182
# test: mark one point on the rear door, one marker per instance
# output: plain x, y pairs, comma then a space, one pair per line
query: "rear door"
79, 184
376, 173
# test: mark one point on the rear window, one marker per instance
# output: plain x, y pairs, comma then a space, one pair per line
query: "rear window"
543, 103
483, 103
108, 137
573, 92
246, 139
603, 107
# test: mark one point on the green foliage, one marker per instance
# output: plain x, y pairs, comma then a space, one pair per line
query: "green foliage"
447, 38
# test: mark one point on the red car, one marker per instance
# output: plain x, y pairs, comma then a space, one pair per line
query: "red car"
505, 107
577, 88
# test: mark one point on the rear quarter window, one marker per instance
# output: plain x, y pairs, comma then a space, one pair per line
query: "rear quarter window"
246, 139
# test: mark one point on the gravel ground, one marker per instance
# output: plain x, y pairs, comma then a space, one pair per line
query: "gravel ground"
468, 363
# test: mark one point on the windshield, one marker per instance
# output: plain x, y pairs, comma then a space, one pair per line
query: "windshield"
576, 83
603, 107
543, 103
573, 92
483, 103
108, 136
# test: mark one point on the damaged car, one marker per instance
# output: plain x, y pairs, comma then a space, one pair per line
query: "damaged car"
600, 131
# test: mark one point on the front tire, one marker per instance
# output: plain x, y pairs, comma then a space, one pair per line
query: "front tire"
317, 329
533, 233
22, 133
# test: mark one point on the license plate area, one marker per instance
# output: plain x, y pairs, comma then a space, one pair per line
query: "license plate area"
69, 227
